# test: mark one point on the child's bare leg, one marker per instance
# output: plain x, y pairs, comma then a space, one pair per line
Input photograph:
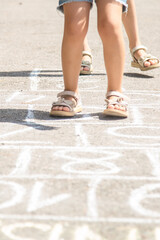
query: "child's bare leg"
86, 48
75, 29
131, 27
110, 30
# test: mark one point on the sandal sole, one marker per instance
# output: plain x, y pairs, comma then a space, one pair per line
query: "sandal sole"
136, 65
64, 113
89, 72
115, 113
85, 72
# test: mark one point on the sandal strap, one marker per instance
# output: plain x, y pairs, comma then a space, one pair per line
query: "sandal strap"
118, 102
86, 64
116, 93
145, 58
139, 47
121, 100
64, 103
67, 103
86, 53
68, 93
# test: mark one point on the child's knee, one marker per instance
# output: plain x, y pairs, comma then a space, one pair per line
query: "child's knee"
76, 29
108, 28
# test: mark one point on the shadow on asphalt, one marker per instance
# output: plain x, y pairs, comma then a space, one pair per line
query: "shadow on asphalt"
58, 73
110, 118
137, 75
18, 116
43, 73
98, 115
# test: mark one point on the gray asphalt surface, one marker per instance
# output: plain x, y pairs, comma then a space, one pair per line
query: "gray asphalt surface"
86, 178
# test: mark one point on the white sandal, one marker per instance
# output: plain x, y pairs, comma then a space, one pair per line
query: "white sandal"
139, 63
87, 64
120, 101
74, 106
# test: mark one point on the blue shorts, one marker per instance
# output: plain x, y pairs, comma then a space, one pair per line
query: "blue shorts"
62, 2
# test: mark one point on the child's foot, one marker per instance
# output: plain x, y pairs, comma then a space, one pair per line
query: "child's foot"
86, 65
68, 104
139, 53
112, 106
116, 105
63, 108
142, 60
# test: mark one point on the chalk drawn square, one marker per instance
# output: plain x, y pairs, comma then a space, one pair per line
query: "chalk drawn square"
128, 199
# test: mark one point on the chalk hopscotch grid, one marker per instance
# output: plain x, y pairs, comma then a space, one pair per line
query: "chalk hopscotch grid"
84, 141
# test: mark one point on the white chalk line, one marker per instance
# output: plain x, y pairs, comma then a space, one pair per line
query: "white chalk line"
35, 99
96, 122
47, 147
137, 116
34, 202
147, 191
80, 219
145, 145
92, 198
13, 96
114, 131
133, 235
34, 79
15, 132
81, 136
92, 121
154, 158
100, 167
9, 229
81, 233
26, 142
30, 114
19, 193
81, 177
22, 162
102, 164
104, 155
56, 232
157, 233
85, 233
